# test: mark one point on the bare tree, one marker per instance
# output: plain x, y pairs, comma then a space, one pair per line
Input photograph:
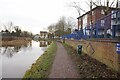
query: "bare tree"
63, 26
9, 26
62, 23
108, 4
18, 30
51, 28
77, 6
71, 22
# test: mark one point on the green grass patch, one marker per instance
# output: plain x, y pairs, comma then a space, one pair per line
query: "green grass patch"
70, 50
41, 68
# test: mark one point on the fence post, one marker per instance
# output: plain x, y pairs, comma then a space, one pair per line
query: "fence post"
113, 31
96, 25
85, 33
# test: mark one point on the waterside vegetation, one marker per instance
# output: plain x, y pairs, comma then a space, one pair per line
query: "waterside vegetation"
41, 68
15, 42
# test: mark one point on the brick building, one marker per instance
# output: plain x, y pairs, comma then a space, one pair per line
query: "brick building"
44, 34
99, 20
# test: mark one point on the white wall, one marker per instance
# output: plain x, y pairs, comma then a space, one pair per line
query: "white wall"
84, 21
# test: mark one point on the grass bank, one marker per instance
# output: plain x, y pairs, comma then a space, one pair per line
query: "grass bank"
16, 42
41, 68
89, 67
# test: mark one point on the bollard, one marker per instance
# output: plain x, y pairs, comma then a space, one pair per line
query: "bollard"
79, 49
64, 40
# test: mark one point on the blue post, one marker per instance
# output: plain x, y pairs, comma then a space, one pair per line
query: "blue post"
105, 28
85, 33
96, 29
113, 31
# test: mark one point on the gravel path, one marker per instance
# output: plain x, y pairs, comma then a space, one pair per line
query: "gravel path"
63, 67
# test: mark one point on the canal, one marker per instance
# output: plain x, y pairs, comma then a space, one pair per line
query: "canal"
16, 60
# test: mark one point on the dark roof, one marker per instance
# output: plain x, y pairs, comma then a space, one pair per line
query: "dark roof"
43, 31
94, 9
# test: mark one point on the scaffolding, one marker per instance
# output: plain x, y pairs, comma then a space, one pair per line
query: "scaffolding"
109, 25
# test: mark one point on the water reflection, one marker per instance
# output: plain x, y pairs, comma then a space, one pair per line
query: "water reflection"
9, 51
17, 59
44, 43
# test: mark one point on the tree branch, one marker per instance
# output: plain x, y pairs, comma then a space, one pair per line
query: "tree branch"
112, 3
77, 7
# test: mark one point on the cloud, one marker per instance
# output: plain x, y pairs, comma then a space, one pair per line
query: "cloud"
34, 15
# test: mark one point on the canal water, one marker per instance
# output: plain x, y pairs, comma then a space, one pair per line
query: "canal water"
16, 60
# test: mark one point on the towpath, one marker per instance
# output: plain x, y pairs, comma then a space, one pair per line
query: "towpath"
63, 67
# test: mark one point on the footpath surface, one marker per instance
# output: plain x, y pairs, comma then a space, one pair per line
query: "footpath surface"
63, 67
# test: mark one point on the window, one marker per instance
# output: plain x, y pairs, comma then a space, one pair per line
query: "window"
92, 12
102, 23
102, 12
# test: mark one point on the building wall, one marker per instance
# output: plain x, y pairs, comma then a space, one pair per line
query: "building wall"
43, 34
85, 21
97, 14
80, 23
104, 52
89, 18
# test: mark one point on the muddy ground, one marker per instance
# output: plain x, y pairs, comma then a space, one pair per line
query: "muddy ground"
89, 67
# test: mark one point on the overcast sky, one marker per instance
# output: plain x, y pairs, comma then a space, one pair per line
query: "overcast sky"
36, 15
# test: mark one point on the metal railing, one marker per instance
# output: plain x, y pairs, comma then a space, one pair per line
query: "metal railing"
106, 28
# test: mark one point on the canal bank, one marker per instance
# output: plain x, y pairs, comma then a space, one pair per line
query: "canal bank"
41, 68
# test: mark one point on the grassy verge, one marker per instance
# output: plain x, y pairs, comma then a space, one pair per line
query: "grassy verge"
70, 50
41, 68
